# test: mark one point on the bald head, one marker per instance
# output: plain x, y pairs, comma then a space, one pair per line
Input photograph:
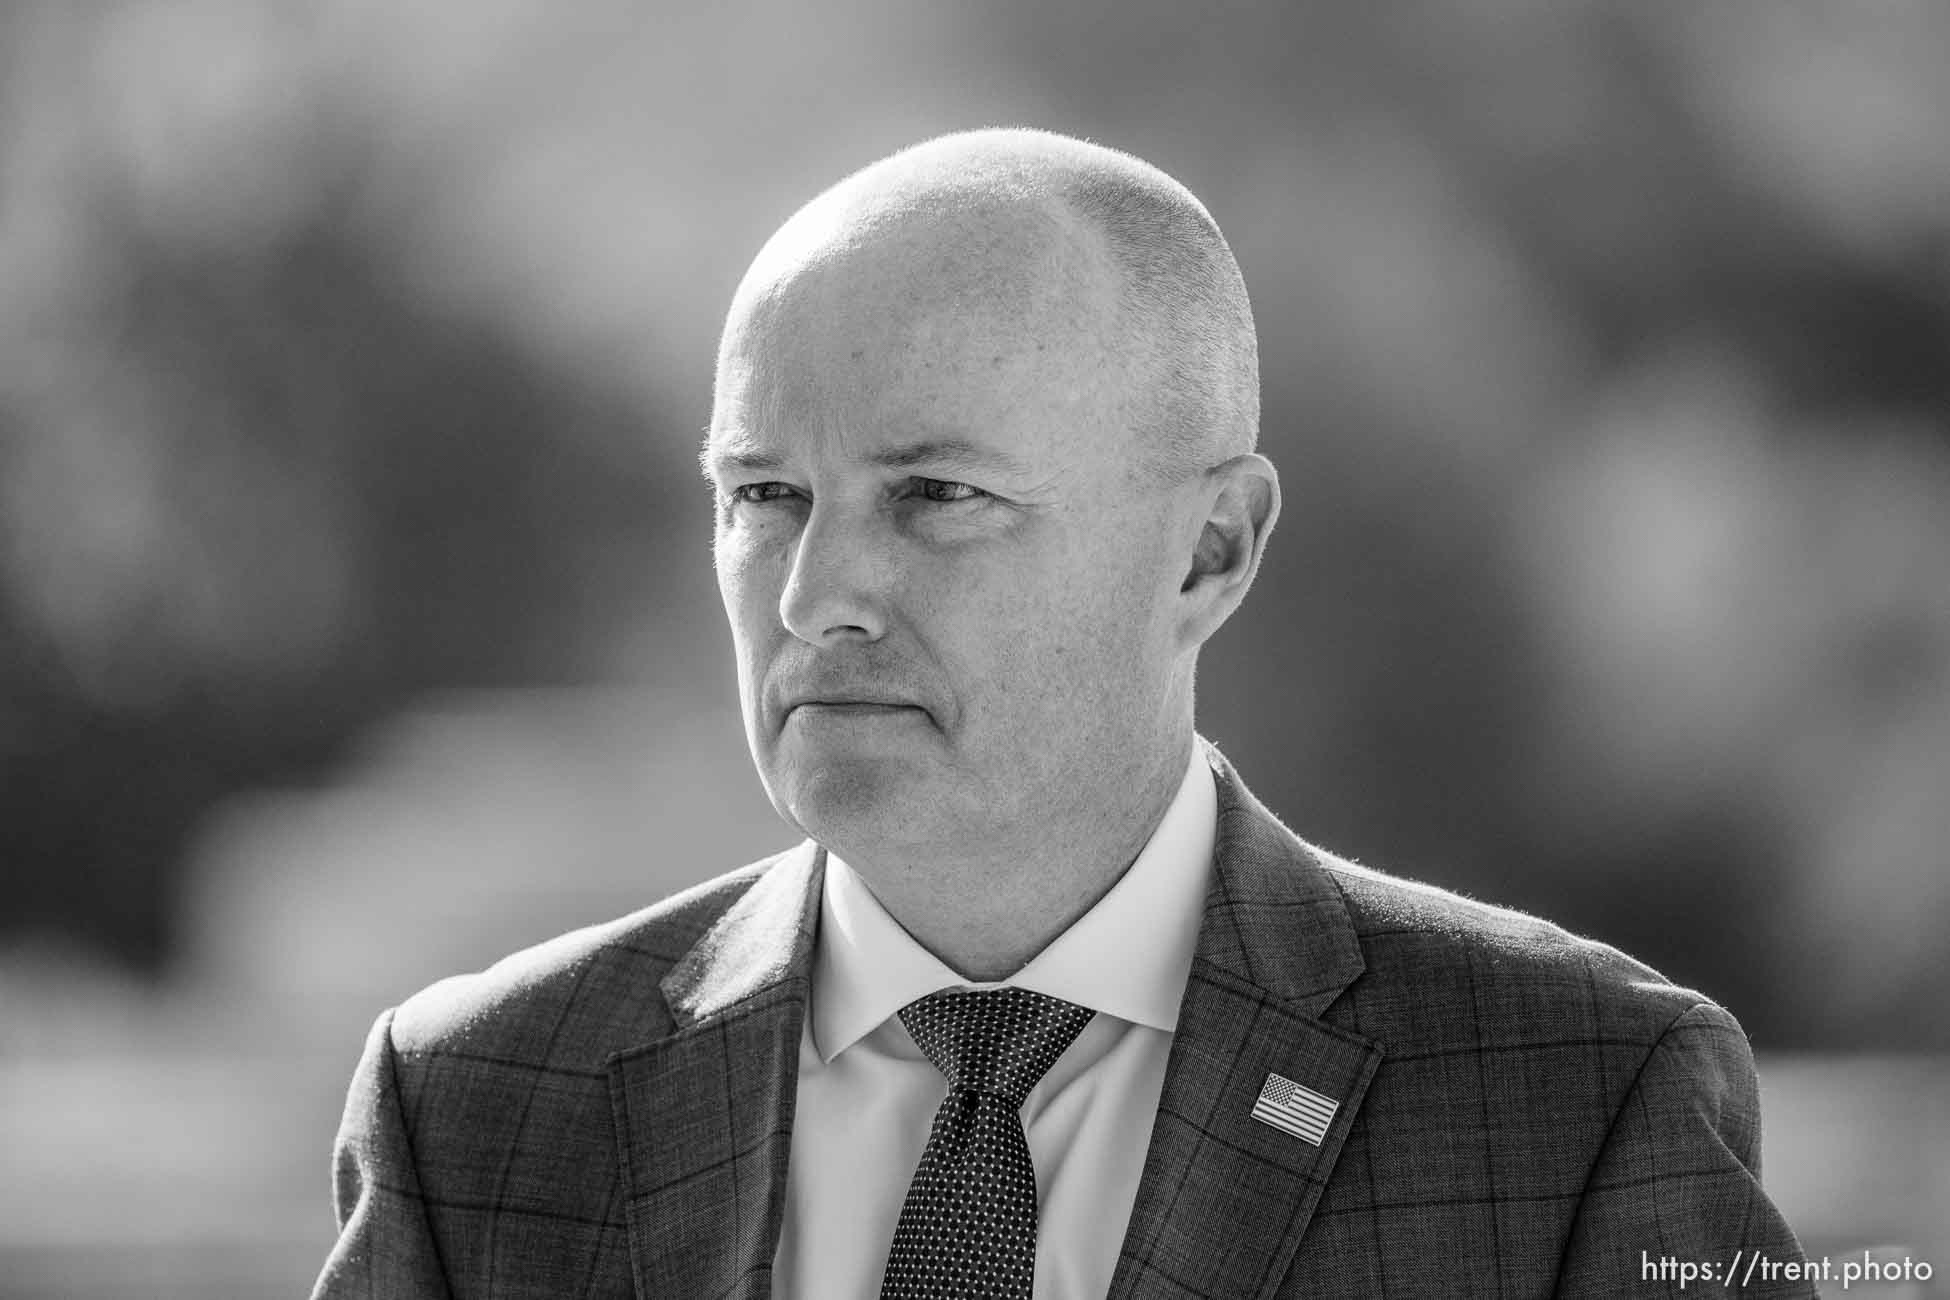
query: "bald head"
1102, 249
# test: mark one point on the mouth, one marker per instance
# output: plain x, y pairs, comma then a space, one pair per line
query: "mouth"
844, 709
852, 706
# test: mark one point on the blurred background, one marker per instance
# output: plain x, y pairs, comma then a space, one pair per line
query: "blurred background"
357, 623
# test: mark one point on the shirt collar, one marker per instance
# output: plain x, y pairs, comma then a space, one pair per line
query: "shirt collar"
1128, 956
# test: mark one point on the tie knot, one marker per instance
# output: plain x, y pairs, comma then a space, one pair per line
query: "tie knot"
994, 1040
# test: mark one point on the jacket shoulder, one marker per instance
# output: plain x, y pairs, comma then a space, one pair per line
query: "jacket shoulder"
572, 1000
1494, 968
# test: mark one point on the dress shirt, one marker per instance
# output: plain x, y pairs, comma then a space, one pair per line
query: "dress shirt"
867, 1096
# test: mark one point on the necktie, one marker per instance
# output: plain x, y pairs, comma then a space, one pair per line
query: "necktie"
967, 1230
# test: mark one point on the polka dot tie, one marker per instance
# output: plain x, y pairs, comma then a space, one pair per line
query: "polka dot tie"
967, 1230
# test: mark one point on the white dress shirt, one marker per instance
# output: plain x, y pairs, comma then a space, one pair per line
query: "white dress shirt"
867, 1095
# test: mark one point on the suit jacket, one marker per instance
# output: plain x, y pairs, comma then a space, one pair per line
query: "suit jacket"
1521, 1112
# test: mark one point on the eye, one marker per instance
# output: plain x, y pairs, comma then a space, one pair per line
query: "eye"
757, 493
935, 489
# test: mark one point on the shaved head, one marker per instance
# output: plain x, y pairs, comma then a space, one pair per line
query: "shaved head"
1059, 230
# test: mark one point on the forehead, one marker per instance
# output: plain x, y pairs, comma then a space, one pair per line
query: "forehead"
970, 331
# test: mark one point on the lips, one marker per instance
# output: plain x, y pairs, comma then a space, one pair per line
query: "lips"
853, 706
843, 702
860, 691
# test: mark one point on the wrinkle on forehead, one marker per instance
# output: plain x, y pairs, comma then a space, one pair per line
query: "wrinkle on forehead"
1008, 292
949, 248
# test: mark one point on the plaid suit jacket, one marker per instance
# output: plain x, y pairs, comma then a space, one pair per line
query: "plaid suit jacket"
1522, 1112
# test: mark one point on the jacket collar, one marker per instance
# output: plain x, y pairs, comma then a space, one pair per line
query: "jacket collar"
704, 1117
1274, 918
1220, 1186
763, 940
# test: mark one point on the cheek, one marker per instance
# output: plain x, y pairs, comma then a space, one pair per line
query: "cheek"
1105, 588
1059, 637
743, 573
750, 604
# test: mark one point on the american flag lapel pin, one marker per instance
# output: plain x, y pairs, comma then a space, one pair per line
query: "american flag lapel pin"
1294, 1109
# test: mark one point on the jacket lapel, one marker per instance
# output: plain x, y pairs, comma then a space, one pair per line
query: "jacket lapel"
1225, 1197
704, 1117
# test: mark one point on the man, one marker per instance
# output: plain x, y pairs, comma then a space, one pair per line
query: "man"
1047, 1004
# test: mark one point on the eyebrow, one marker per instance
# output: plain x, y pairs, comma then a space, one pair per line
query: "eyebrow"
947, 453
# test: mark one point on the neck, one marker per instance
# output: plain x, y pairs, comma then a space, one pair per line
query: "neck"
985, 914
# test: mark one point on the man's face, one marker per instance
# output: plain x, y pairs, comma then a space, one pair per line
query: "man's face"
951, 601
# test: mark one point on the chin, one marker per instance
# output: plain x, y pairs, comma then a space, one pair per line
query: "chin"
849, 797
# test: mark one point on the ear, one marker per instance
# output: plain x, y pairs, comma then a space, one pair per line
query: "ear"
1241, 500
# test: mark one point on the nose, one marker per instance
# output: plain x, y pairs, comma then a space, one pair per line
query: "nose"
836, 590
